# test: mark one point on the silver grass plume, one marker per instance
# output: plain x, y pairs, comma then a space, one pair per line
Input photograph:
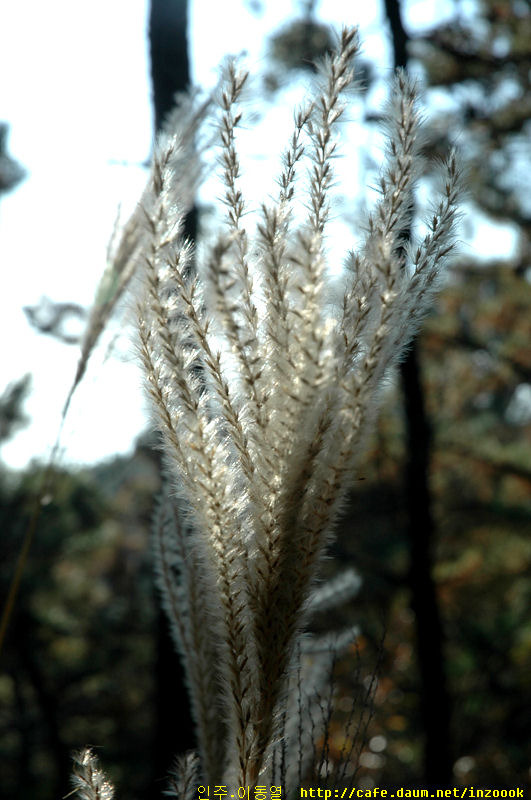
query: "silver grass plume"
88, 780
264, 395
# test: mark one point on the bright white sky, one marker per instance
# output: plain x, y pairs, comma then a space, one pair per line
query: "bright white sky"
75, 91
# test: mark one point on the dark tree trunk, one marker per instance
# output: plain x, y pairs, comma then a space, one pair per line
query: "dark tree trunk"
170, 67
170, 73
168, 40
434, 697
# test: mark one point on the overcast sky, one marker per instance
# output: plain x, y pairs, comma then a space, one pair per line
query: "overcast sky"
75, 91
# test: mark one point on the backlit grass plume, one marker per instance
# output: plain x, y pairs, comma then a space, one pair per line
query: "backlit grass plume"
264, 393
88, 780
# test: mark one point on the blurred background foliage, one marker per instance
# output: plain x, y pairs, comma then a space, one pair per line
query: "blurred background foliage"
80, 660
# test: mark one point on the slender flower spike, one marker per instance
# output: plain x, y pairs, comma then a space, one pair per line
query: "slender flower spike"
88, 780
264, 396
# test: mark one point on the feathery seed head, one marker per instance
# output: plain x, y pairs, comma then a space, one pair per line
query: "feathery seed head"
264, 396
88, 780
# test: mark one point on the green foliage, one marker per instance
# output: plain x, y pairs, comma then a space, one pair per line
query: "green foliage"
481, 480
79, 657
12, 416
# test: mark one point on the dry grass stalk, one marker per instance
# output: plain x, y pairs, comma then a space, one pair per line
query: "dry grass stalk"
264, 395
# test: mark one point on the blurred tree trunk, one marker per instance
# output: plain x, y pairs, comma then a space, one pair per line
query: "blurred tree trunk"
170, 73
434, 698
170, 66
